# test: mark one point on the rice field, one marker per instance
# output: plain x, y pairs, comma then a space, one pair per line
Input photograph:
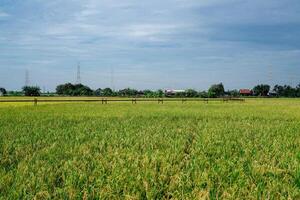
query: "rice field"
234, 150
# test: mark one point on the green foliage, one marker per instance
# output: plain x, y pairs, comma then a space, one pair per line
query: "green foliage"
153, 94
216, 90
98, 92
69, 89
191, 93
15, 93
148, 93
127, 92
286, 91
194, 150
233, 93
31, 91
179, 95
3, 91
107, 92
261, 90
159, 93
65, 89
203, 94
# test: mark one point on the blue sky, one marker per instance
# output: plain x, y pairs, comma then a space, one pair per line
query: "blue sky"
150, 44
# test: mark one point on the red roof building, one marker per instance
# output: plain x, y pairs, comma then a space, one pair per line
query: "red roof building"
246, 92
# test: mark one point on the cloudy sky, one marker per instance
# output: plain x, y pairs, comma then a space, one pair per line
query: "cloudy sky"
150, 44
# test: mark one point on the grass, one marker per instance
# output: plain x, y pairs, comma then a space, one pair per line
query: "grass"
195, 150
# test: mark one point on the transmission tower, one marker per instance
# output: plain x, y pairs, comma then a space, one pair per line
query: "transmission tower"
78, 78
27, 81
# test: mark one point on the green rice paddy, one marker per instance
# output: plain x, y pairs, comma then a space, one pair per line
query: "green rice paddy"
235, 150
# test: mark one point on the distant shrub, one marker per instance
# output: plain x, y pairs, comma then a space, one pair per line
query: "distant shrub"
216, 90
74, 90
3, 91
31, 91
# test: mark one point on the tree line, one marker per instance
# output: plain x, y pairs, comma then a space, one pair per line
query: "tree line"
216, 90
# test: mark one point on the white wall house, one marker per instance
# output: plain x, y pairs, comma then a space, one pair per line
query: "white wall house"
173, 92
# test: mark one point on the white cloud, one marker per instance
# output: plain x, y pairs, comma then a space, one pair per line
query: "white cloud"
152, 31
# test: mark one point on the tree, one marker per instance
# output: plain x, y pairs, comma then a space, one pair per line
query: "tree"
279, 90
107, 92
191, 93
289, 91
65, 89
261, 90
31, 91
74, 90
159, 93
216, 90
15, 93
98, 92
82, 90
128, 92
3, 91
179, 94
298, 90
149, 93
233, 93
203, 94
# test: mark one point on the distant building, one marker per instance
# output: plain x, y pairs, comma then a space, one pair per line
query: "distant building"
140, 93
246, 92
173, 92
273, 94
1, 94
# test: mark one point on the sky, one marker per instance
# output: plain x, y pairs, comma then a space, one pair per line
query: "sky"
142, 44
